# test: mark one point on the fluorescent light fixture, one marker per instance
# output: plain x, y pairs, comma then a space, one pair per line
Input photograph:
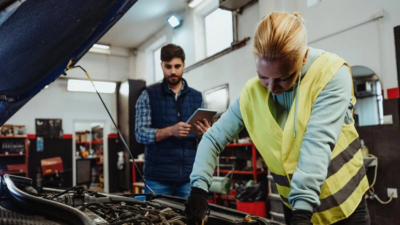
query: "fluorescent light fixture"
86, 86
174, 21
101, 46
194, 3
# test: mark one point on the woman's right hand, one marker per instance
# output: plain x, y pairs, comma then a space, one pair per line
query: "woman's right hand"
301, 217
196, 207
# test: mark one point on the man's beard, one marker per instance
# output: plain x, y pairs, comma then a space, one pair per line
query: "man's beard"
173, 83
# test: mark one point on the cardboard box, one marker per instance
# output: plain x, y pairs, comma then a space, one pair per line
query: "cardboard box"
18, 167
7, 130
19, 130
81, 136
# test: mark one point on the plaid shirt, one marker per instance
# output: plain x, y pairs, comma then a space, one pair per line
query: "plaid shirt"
145, 134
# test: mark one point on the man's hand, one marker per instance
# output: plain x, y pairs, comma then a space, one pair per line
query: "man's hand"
196, 207
301, 217
180, 129
202, 126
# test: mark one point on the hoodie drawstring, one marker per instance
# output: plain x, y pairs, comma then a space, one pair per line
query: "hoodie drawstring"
295, 108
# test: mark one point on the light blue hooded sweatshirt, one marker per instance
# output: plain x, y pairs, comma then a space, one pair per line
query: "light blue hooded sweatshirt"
330, 111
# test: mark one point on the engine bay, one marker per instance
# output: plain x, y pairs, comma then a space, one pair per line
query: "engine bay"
22, 204
115, 210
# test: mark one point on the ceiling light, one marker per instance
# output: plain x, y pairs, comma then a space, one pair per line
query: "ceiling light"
194, 3
86, 86
174, 21
101, 46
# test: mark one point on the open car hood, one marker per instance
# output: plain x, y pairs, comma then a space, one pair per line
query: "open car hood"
39, 37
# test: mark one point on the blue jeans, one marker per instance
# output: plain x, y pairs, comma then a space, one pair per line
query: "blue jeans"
172, 188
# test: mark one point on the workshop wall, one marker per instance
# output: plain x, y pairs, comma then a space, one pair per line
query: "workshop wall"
144, 56
185, 36
57, 102
104, 67
383, 142
351, 29
234, 68
355, 30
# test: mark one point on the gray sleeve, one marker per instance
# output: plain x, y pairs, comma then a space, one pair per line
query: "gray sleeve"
323, 130
213, 142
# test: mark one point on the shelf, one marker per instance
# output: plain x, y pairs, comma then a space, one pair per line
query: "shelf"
97, 141
370, 161
89, 157
243, 172
240, 144
15, 136
12, 172
113, 136
365, 96
11, 154
225, 197
99, 163
138, 184
19, 156
137, 161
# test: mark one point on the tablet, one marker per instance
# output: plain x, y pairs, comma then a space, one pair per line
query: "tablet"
200, 114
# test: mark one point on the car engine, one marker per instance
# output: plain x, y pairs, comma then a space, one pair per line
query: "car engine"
115, 210
22, 204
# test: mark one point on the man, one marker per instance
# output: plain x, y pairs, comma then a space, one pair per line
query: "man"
161, 108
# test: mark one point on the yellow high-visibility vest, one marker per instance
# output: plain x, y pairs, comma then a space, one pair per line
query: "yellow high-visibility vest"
346, 181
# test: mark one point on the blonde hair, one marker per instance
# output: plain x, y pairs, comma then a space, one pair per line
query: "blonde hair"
281, 35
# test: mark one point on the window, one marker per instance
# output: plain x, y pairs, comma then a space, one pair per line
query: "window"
152, 62
218, 30
313, 2
217, 98
86, 86
158, 73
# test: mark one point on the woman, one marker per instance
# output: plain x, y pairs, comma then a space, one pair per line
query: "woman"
298, 112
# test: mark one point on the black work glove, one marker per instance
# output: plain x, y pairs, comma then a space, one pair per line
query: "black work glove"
196, 207
301, 217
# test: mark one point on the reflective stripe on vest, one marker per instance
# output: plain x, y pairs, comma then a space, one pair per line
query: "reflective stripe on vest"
346, 181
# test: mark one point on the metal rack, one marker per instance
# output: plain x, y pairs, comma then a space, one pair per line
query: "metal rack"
19, 164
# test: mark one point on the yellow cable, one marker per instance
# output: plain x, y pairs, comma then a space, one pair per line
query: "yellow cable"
382, 202
69, 67
372, 189
248, 218
202, 222
376, 171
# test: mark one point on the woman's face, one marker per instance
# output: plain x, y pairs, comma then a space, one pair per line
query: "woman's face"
279, 75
